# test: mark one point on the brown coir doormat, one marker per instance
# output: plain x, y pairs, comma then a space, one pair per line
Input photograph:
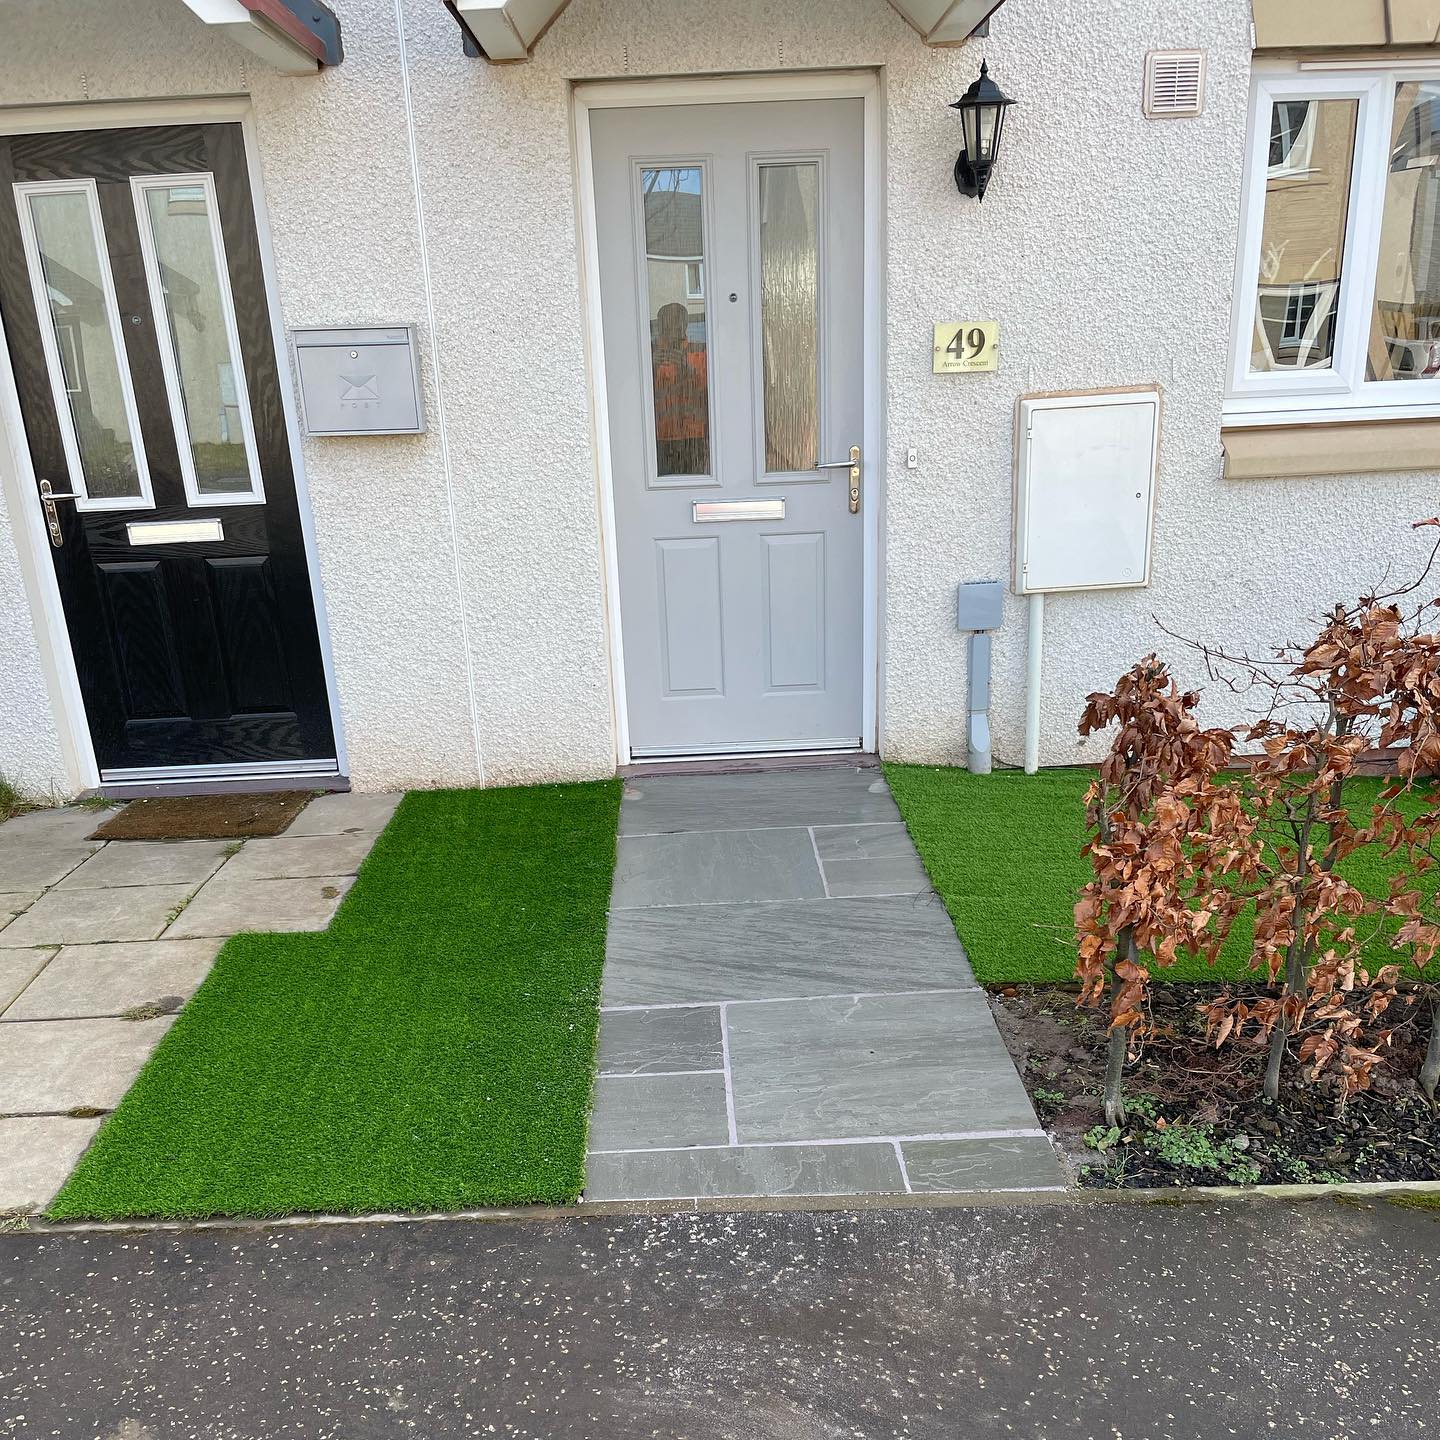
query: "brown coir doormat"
204, 817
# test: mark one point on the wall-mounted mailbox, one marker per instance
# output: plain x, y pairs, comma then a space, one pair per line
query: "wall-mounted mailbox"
359, 382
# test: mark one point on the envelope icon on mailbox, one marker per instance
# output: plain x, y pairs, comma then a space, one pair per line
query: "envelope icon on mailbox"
359, 387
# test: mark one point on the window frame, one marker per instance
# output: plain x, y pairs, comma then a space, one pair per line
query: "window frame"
1340, 391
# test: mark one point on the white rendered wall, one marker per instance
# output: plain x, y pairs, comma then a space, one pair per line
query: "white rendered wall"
1104, 248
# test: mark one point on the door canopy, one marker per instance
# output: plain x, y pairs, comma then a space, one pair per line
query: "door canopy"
292, 37
507, 30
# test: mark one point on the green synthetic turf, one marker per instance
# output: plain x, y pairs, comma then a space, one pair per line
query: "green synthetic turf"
432, 1050
1003, 851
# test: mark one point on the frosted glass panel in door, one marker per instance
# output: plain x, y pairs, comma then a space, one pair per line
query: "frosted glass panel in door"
194, 300
674, 201
790, 313
70, 275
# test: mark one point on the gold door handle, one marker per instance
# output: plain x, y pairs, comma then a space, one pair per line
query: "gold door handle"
48, 496
853, 466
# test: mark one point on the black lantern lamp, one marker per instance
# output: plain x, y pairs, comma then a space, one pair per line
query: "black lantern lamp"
982, 118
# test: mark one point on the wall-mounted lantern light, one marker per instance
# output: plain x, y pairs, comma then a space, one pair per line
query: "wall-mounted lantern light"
982, 119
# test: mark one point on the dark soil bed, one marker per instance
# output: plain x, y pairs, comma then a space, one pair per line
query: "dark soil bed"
1197, 1114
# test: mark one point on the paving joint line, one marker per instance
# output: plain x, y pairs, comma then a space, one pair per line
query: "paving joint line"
794, 999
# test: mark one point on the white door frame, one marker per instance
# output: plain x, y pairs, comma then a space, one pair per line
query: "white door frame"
17, 471
863, 85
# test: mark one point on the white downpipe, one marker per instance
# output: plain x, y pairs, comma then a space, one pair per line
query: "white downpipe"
1034, 650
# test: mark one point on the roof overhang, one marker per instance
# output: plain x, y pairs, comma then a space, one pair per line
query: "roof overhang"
504, 31
295, 37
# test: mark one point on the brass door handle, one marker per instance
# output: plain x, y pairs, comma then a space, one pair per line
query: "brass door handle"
853, 466
48, 496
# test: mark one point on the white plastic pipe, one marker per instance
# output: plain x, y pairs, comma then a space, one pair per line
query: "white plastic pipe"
1034, 649
978, 731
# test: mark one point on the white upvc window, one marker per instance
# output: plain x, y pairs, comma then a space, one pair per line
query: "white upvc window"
1337, 290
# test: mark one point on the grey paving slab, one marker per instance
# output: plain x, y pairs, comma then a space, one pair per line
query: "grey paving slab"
745, 1170
869, 860
58, 1065
37, 1153
148, 862
892, 1065
227, 906
757, 952
1013, 1163
658, 1111
17, 969
35, 864
338, 814
894, 875
70, 917
94, 980
715, 868
638, 1042
287, 857
13, 902
822, 796
61, 824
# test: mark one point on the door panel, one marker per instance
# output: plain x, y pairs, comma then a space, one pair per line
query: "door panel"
690, 617
795, 612
135, 311
731, 262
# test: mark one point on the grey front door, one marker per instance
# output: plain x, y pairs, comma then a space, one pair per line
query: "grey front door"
731, 262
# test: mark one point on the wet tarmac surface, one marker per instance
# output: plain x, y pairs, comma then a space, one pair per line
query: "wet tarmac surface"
1137, 1321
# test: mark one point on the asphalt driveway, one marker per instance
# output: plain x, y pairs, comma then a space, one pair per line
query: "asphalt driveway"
1114, 1320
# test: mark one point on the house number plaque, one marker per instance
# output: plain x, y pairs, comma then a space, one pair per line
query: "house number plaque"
965, 347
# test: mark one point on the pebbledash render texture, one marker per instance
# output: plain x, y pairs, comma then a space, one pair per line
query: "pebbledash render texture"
462, 570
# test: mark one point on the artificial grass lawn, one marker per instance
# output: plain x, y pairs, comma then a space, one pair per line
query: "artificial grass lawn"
432, 1050
1003, 852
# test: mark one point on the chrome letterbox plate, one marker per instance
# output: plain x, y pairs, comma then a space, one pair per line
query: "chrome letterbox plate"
174, 532
707, 512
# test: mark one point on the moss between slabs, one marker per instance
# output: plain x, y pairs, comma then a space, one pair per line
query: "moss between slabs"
1003, 851
432, 1050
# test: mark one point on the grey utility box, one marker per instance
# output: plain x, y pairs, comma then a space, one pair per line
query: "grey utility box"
359, 382
978, 605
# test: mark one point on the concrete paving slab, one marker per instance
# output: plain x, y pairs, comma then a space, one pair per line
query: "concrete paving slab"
745, 1170
639, 1042
688, 954
96, 980
226, 906
50, 1066
658, 1112
148, 862
341, 814
289, 857
37, 1153
60, 824
17, 969
822, 796
716, 868
893, 1065
36, 864
75, 917
1025, 1162
13, 902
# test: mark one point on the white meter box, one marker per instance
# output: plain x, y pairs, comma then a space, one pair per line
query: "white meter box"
1085, 468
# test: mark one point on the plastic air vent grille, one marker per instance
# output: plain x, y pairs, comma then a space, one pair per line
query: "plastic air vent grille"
1174, 83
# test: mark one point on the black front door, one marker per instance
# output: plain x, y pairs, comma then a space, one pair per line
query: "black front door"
134, 307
